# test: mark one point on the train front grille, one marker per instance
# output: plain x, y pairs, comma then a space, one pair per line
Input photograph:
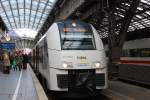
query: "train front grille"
62, 80
70, 80
100, 79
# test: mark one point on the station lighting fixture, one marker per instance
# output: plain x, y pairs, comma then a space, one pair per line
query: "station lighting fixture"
74, 24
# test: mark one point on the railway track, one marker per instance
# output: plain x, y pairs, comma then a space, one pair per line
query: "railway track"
99, 97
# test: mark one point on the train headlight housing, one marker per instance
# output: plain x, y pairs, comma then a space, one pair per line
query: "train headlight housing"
97, 65
64, 65
67, 65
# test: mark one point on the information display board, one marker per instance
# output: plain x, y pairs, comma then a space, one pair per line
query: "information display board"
7, 45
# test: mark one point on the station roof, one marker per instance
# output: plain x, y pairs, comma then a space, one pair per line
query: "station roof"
30, 14
33, 13
141, 19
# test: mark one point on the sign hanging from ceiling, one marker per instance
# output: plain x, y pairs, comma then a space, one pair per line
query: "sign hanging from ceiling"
7, 45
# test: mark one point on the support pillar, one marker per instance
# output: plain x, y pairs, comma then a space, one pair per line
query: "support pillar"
115, 42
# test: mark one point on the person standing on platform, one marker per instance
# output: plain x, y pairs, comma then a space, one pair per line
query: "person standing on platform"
1, 63
6, 62
19, 62
11, 61
25, 61
14, 64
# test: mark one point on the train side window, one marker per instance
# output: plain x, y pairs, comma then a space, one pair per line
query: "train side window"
145, 52
124, 53
45, 55
41, 54
133, 53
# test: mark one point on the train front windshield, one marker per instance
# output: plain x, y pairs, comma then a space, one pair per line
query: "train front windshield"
76, 36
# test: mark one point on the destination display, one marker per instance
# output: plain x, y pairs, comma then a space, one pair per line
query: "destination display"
77, 37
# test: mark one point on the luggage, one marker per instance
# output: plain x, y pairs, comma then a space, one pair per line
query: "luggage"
25, 66
6, 70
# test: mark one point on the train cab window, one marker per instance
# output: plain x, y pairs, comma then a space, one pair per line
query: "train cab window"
76, 37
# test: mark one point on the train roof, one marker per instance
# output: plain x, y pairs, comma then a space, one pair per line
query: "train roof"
62, 21
70, 21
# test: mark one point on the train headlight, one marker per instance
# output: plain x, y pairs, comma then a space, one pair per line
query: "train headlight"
64, 65
97, 65
67, 65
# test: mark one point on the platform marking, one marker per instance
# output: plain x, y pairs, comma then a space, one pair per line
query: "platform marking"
17, 88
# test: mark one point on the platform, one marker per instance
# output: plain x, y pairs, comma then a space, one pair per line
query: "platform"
118, 90
19, 85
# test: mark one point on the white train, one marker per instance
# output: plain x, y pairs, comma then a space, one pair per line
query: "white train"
71, 57
134, 65
135, 62
136, 52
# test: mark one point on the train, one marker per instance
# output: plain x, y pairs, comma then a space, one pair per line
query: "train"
71, 58
134, 64
136, 52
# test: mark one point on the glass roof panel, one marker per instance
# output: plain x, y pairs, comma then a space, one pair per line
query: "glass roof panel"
25, 13
146, 1
140, 8
3, 15
146, 21
147, 12
139, 16
15, 12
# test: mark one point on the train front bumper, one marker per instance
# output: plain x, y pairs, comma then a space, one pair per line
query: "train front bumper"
78, 83
76, 80
81, 80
